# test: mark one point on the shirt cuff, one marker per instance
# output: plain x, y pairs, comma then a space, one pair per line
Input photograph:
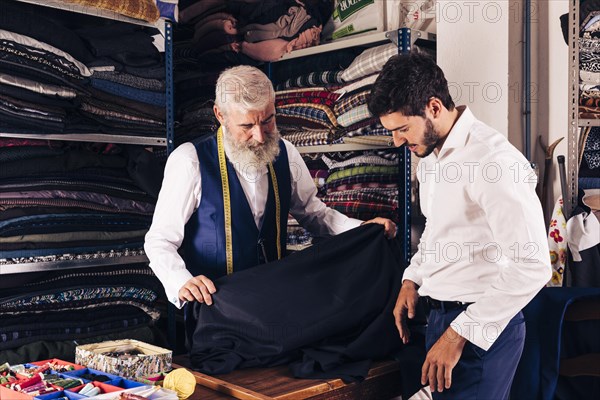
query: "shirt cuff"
176, 280
353, 223
411, 275
481, 335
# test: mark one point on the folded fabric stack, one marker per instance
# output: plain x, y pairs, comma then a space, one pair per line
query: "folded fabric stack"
145, 10
263, 30
363, 186
75, 305
68, 73
329, 107
589, 165
298, 238
351, 108
62, 203
589, 66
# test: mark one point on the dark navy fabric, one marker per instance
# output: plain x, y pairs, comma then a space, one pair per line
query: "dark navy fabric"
327, 310
204, 243
537, 374
480, 374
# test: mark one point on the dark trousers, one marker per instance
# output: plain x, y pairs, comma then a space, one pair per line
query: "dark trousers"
480, 374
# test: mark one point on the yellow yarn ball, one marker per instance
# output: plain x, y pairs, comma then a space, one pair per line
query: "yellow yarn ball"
181, 381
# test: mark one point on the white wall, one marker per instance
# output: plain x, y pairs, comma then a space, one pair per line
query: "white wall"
472, 49
552, 80
480, 50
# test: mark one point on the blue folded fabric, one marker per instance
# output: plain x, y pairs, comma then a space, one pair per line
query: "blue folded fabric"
144, 96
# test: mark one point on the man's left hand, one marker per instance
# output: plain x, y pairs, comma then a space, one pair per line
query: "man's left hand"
441, 359
388, 225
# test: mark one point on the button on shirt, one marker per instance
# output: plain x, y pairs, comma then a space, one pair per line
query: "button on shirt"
484, 240
180, 196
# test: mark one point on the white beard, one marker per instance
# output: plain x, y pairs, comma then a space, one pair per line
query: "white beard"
251, 154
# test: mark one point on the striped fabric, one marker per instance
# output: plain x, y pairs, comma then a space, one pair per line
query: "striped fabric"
369, 62
363, 170
345, 104
295, 91
360, 160
316, 112
362, 186
290, 101
371, 140
308, 137
373, 195
312, 79
307, 92
351, 207
355, 115
375, 129
363, 178
362, 83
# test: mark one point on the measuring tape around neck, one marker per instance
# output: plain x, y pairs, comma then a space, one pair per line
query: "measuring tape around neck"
227, 204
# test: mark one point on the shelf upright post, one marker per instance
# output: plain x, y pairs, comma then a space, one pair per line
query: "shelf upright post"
573, 128
171, 323
169, 82
404, 174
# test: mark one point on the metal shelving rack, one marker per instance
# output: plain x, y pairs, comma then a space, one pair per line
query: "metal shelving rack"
16, 265
575, 123
404, 38
166, 29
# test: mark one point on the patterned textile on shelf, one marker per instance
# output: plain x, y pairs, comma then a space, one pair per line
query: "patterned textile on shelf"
318, 111
363, 170
75, 304
346, 103
144, 96
362, 185
126, 79
356, 114
312, 79
351, 208
371, 140
369, 195
589, 113
358, 85
301, 100
309, 137
591, 150
55, 299
43, 53
369, 62
310, 117
375, 129
320, 92
145, 10
69, 325
363, 159
375, 179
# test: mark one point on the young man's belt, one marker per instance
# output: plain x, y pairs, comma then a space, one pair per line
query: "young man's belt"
444, 305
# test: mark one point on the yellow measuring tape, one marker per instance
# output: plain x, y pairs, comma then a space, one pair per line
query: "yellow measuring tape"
227, 204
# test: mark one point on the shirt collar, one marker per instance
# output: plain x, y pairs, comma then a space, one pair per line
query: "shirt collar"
458, 135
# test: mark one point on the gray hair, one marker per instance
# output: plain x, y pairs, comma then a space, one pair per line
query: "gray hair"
244, 87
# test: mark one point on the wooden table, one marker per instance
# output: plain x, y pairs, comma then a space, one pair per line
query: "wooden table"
382, 383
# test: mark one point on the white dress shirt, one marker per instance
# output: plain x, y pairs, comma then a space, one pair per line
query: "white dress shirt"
180, 196
484, 240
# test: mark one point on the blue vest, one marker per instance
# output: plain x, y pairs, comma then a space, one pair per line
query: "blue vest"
204, 240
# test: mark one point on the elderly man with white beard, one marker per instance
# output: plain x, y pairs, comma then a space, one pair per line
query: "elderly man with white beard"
225, 199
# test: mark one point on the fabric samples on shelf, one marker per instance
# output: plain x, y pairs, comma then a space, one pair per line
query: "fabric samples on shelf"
59, 307
71, 198
100, 77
